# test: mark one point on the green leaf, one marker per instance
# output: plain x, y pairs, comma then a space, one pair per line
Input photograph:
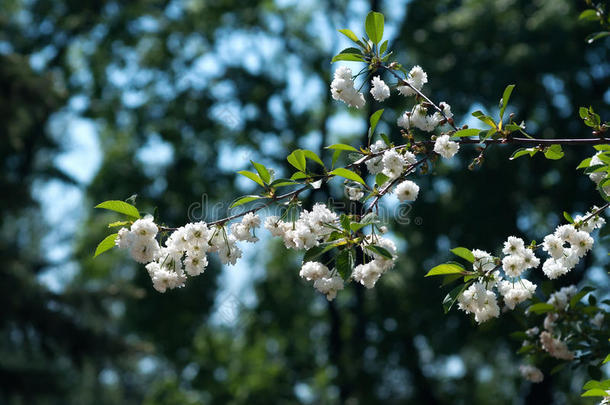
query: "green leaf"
383, 47
380, 251
588, 15
336, 155
607, 359
583, 112
374, 120
245, 199
342, 146
344, 263
297, 159
522, 152
106, 244
446, 268
584, 164
345, 222
540, 308
463, 253
121, 207
262, 171
282, 183
568, 217
577, 297
452, 296
298, 176
348, 174
597, 35
311, 155
554, 152
317, 251
350, 57
117, 223
350, 34
381, 179
505, 97
596, 392
485, 118
374, 26
466, 132
252, 176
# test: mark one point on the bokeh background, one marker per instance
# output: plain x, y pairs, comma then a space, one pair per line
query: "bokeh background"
166, 99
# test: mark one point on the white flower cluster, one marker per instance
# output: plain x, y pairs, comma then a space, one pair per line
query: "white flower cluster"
323, 280
565, 258
379, 90
369, 273
342, 88
555, 347
354, 193
597, 177
417, 78
518, 258
391, 163
306, 232
480, 301
446, 147
418, 117
531, 373
185, 250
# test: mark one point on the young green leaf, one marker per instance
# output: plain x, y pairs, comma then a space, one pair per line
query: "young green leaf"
522, 152
244, 200
106, 244
342, 146
568, 217
374, 120
453, 296
380, 251
297, 159
466, 132
554, 152
117, 224
349, 57
344, 263
348, 174
446, 268
463, 253
374, 26
317, 251
350, 34
383, 47
540, 308
262, 171
311, 155
252, 176
120, 207
505, 97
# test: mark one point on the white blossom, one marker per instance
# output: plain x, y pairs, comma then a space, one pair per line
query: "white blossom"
417, 78
313, 271
531, 373
516, 292
407, 191
393, 163
329, 286
445, 147
379, 90
342, 88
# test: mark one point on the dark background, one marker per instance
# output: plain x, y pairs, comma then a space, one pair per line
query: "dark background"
166, 99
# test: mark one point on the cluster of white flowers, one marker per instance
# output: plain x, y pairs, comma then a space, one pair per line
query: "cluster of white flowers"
417, 78
354, 193
185, 250
446, 147
342, 88
323, 280
369, 273
531, 373
379, 90
560, 299
418, 117
555, 347
480, 301
565, 258
391, 163
308, 231
140, 240
597, 177
518, 258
